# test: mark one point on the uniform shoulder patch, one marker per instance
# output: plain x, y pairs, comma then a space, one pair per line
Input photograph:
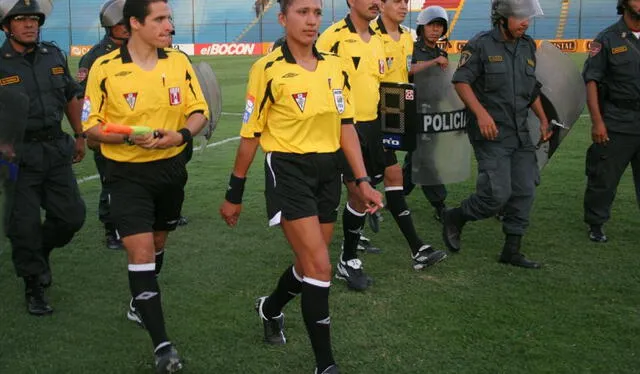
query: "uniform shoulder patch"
621, 49
465, 56
10, 80
594, 48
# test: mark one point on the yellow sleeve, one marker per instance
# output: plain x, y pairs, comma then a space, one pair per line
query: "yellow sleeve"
259, 100
95, 100
349, 113
195, 100
326, 41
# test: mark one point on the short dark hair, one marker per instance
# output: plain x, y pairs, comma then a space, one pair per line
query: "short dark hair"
284, 5
139, 9
348, 5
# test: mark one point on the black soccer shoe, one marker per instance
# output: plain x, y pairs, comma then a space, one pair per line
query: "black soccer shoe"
112, 241
273, 327
427, 256
168, 360
37, 304
183, 221
364, 245
351, 272
333, 369
452, 225
596, 234
518, 259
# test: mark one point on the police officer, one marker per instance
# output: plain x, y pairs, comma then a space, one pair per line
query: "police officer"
116, 34
612, 75
497, 82
432, 23
45, 178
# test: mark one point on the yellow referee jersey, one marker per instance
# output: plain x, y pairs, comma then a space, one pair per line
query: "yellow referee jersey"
366, 61
294, 110
397, 52
120, 92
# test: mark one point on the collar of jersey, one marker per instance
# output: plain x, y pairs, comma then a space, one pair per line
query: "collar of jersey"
383, 30
352, 28
126, 57
288, 57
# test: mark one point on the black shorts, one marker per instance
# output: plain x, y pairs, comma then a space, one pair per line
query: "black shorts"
376, 157
147, 196
302, 185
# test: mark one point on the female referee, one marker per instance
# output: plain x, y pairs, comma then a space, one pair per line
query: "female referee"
298, 111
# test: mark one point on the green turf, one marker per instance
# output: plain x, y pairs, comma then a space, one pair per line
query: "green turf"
580, 314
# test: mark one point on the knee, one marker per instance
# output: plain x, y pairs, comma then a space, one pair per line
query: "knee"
318, 266
393, 175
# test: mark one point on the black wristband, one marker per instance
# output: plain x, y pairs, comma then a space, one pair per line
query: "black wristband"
128, 140
235, 189
186, 135
363, 179
80, 135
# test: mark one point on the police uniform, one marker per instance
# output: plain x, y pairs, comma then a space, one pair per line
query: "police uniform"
105, 46
502, 76
436, 194
614, 64
45, 178
297, 114
147, 186
366, 64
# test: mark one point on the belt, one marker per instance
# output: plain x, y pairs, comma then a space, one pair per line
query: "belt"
43, 135
626, 104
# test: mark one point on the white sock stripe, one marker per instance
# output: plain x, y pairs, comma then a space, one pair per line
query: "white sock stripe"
354, 212
142, 267
160, 252
161, 345
393, 188
295, 274
316, 282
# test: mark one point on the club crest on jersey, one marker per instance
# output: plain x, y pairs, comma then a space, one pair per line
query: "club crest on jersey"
131, 99
381, 66
338, 98
174, 96
300, 99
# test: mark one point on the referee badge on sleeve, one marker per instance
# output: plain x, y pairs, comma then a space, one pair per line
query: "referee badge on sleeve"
339, 100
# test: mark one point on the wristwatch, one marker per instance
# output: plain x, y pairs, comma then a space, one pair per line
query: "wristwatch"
363, 179
80, 135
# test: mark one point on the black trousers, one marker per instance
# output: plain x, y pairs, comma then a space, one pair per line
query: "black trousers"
605, 165
45, 181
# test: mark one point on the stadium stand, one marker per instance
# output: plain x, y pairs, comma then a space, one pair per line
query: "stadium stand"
75, 22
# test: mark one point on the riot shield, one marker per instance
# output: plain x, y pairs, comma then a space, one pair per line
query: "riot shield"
563, 98
211, 91
443, 151
14, 106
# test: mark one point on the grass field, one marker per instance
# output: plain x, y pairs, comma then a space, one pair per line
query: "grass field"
579, 314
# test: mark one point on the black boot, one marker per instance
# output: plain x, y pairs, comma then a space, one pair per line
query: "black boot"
596, 234
438, 211
511, 254
37, 304
111, 239
452, 222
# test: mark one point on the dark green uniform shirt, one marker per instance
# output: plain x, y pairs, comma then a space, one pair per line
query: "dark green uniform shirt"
422, 52
105, 46
44, 77
614, 63
502, 75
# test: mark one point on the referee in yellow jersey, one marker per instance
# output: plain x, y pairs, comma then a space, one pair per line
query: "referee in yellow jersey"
298, 110
363, 51
142, 83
